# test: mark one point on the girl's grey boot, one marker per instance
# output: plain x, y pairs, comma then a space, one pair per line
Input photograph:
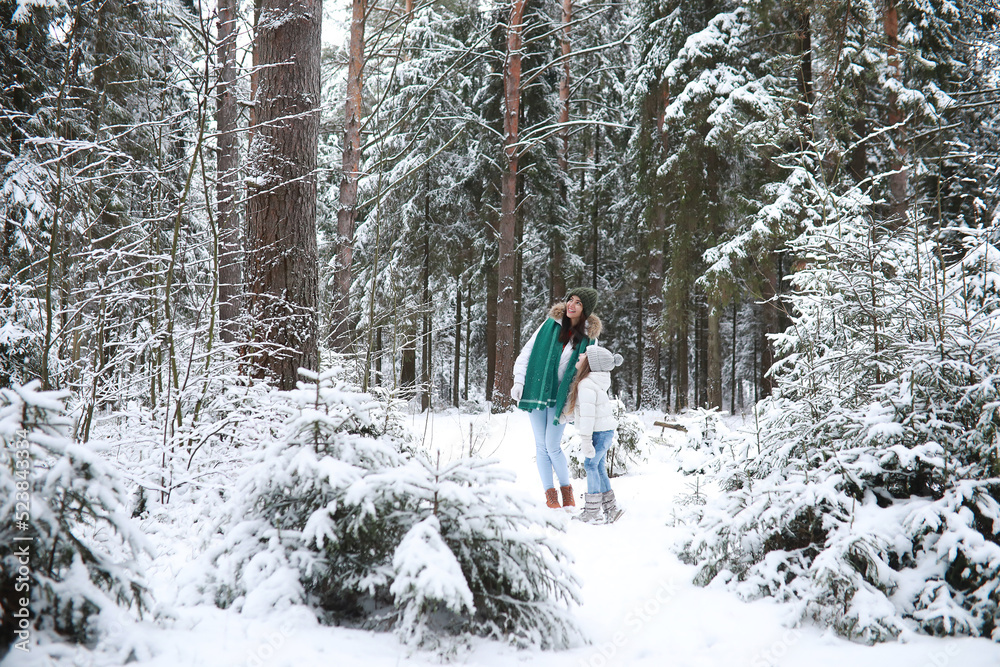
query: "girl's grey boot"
592, 508
611, 510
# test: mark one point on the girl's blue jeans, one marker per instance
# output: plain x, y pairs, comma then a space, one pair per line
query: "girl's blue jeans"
548, 452
597, 474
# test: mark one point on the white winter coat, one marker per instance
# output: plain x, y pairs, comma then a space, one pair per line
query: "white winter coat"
593, 411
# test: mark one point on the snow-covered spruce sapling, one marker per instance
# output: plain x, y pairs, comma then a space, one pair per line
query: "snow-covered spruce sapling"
874, 502
628, 447
71, 505
340, 516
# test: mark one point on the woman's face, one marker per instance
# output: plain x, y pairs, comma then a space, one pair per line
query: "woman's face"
579, 361
574, 308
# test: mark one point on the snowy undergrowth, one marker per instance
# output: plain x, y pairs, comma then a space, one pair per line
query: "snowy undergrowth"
866, 490
69, 550
337, 514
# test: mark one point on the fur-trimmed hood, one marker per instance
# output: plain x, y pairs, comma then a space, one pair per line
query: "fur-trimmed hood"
593, 326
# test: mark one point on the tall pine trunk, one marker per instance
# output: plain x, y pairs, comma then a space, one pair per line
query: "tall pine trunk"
507, 260
557, 277
805, 102
426, 343
227, 164
771, 322
714, 358
281, 252
650, 380
347, 211
457, 369
894, 116
682, 352
649, 390
408, 360
491, 315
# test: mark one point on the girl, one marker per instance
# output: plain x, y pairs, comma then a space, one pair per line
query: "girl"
542, 376
590, 408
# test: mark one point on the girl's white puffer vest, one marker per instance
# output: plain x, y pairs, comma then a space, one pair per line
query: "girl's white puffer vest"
593, 412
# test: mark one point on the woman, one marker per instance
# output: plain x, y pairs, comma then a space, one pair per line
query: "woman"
543, 373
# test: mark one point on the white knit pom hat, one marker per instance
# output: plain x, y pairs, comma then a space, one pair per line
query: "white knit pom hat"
601, 359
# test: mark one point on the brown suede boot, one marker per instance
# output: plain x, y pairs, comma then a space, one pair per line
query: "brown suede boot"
551, 499
567, 496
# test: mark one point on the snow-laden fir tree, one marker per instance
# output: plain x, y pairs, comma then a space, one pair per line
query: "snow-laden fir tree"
342, 516
65, 504
867, 493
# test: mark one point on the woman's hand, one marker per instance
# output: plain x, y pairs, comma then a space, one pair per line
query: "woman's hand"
515, 391
588, 446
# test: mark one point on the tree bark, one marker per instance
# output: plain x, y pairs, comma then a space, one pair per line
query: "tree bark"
518, 268
894, 116
282, 256
732, 370
639, 343
564, 88
408, 360
714, 358
654, 109
805, 102
377, 380
227, 165
557, 278
468, 337
654, 311
491, 317
859, 156
347, 212
458, 343
683, 375
699, 347
771, 323
507, 260
425, 317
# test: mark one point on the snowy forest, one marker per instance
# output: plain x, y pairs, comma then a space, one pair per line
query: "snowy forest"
251, 250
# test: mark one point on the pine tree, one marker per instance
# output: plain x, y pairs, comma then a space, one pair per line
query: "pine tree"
69, 546
281, 244
339, 513
870, 456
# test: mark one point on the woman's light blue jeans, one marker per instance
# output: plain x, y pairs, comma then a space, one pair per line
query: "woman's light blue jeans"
597, 474
548, 451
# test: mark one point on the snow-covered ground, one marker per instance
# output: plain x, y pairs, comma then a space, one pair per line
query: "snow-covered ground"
639, 605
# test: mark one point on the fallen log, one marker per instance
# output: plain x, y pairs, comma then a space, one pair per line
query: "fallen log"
676, 427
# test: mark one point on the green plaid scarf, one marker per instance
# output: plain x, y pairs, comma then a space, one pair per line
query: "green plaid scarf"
542, 388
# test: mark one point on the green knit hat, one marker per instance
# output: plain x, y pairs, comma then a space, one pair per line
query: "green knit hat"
587, 296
